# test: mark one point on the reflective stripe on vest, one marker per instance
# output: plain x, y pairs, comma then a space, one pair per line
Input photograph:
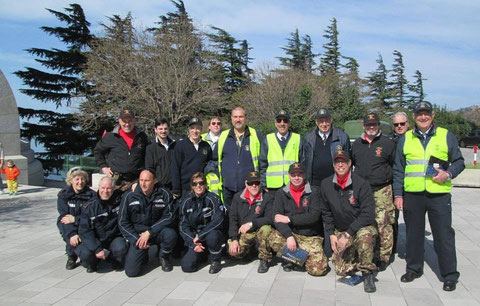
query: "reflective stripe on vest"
417, 158
279, 162
254, 149
213, 183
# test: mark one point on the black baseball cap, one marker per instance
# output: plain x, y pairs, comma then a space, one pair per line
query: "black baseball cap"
126, 112
252, 177
371, 118
282, 113
195, 120
423, 105
341, 154
296, 167
323, 113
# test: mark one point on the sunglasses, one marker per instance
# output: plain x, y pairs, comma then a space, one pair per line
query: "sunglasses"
202, 183
216, 123
399, 124
285, 120
253, 183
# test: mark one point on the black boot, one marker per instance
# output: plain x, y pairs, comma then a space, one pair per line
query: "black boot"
91, 268
71, 262
166, 265
369, 282
215, 267
262, 266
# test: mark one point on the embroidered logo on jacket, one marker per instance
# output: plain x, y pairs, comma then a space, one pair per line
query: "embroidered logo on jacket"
351, 199
378, 151
305, 202
257, 209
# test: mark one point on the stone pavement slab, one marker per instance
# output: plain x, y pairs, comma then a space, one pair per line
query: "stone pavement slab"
32, 269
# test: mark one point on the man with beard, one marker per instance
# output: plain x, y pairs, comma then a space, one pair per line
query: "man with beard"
99, 229
279, 150
373, 155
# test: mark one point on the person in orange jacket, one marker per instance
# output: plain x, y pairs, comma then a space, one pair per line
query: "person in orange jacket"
12, 173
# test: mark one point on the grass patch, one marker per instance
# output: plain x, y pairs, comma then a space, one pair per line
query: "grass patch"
471, 166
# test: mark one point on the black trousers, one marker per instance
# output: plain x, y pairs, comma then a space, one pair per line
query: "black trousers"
439, 209
136, 258
69, 249
213, 246
118, 248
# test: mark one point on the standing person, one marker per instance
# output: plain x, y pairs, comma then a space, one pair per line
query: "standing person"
321, 145
191, 156
159, 154
121, 153
417, 192
11, 173
251, 221
373, 155
400, 127
99, 231
72, 199
278, 151
214, 129
298, 222
2, 160
201, 218
237, 153
348, 211
146, 217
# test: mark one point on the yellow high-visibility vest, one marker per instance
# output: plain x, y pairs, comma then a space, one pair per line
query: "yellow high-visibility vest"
417, 158
279, 162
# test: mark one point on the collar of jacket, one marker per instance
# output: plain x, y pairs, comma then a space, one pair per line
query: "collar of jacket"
231, 133
170, 140
349, 181
333, 131
431, 131
242, 195
307, 189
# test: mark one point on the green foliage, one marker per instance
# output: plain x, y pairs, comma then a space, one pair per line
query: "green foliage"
299, 54
60, 84
330, 61
452, 121
399, 83
379, 87
416, 89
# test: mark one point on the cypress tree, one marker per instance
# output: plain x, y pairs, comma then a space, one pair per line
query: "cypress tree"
299, 52
379, 88
330, 61
416, 89
61, 83
399, 83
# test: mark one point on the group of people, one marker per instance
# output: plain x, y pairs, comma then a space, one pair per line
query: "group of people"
238, 192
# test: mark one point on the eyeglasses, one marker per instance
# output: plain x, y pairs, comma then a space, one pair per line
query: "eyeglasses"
253, 183
201, 183
399, 124
285, 120
216, 123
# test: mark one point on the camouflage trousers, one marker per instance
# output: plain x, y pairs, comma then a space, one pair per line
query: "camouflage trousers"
384, 217
248, 240
317, 261
357, 253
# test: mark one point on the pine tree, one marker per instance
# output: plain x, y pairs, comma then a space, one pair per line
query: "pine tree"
330, 61
299, 52
399, 83
231, 61
60, 84
416, 89
379, 88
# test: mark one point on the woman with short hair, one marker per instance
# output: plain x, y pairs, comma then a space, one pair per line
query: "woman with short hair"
71, 200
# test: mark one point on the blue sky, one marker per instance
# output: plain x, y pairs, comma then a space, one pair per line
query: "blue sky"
440, 38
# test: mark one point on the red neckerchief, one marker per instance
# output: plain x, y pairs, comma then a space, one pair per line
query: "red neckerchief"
296, 194
342, 182
255, 198
128, 137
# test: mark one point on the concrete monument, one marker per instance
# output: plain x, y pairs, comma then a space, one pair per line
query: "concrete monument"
16, 149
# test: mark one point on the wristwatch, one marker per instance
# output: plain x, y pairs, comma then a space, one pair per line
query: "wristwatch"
250, 224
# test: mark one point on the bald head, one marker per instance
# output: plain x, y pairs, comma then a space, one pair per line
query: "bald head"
147, 182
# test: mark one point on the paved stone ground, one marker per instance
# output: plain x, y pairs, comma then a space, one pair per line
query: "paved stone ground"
32, 270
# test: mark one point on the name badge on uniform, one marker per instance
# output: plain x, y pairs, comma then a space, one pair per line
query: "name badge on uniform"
134, 203
159, 205
70, 204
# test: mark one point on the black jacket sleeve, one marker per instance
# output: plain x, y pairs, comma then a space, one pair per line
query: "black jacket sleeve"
177, 160
184, 224
327, 215
263, 162
86, 230
455, 157
100, 153
233, 224
124, 223
278, 208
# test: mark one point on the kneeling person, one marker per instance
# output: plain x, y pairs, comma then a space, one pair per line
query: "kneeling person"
348, 210
146, 217
250, 221
297, 219
201, 218
99, 228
